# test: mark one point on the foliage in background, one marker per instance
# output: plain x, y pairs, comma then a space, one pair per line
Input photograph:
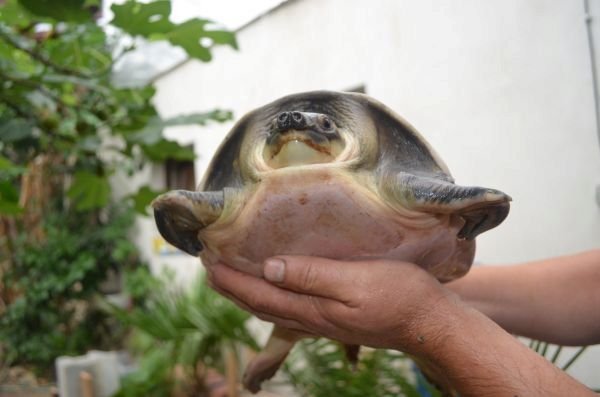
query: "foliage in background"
179, 335
55, 281
319, 368
57, 97
65, 129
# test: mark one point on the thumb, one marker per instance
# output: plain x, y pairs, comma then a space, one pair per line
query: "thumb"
310, 275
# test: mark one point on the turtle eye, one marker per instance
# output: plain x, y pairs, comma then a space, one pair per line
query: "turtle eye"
326, 123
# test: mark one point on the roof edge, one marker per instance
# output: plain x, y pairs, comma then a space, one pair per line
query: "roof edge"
252, 21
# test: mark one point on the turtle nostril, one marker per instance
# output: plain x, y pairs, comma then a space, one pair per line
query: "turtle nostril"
297, 116
298, 120
283, 121
290, 120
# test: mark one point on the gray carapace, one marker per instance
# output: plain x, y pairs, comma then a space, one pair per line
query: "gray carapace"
330, 174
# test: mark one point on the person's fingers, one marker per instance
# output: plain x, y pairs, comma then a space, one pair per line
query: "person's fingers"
282, 321
312, 276
229, 296
264, 299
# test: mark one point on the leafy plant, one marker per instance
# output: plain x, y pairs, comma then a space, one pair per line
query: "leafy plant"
54, 283
319, 368
65, 130
180, 335
57, 97
196, 36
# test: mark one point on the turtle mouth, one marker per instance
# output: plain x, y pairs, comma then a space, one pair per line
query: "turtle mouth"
299, 148
299, 138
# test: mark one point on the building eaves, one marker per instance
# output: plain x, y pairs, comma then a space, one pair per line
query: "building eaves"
284, 3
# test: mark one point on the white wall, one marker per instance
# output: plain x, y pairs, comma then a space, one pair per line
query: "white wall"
501, 88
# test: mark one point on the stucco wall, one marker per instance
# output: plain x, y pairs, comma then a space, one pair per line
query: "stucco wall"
501, 88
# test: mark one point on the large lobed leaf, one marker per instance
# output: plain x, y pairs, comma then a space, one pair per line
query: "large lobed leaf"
151, 21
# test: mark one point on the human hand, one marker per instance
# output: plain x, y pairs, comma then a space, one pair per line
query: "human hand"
378, 303
396, 305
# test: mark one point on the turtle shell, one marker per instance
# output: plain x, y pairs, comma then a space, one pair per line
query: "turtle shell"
398, 146
387, 183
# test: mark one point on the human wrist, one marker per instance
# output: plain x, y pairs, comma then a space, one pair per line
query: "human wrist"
429, 326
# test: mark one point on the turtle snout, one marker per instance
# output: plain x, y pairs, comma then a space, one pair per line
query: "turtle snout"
291, 121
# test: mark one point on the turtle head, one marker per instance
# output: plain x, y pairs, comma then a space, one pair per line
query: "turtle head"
301, 138
320, 129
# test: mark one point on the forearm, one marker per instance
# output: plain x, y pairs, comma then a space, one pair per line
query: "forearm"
476, 357
556, 300
386, 304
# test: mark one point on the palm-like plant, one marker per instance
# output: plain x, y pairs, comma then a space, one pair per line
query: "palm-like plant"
319, 368
180, 337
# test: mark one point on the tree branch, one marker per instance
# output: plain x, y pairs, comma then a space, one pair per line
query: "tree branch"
17, 110
23, 114
31, 84
4, 35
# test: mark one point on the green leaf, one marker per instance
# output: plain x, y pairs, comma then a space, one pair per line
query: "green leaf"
12, 13
89, 191
9, 198
151, 20
52, 78
189, 35
218, 115
14, 60
90, 118
84, 48
136, 96
63, 10
222, 37
89, 144
9, 170
143, 19
15, 130
143, 198
67, 127
151, 134
8, 192
165, 149
5, 164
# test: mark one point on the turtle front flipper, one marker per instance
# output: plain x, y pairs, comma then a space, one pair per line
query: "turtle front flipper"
481, 208
180, 214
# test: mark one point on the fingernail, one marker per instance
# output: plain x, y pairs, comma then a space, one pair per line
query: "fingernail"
274, 270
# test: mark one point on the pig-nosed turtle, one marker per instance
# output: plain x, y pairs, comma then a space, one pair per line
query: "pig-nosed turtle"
329, 174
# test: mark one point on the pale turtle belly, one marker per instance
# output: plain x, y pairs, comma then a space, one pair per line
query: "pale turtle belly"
328, 214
